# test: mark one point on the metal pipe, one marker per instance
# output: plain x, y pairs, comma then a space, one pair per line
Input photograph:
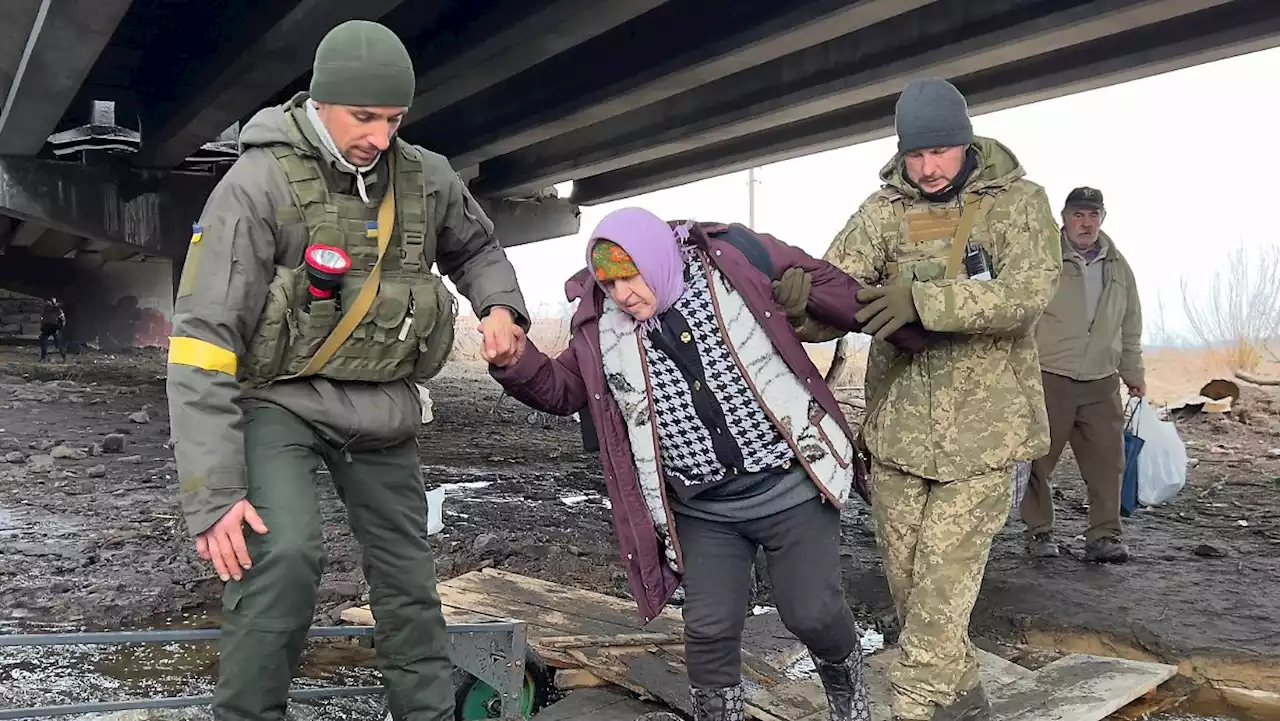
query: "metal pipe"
195, 634
175, 702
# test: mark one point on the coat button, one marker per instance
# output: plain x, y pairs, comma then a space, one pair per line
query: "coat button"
685, 337
597, 396
767, 314
697, 385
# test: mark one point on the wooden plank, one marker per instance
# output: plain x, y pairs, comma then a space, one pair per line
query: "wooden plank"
626, 639
363, 616
993, 670
765, 637
568, 600
574, 678
996, 671
668, 682
1078, 687
597, 704
538, 618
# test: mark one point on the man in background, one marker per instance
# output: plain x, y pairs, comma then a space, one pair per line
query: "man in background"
52, 320
1090, 340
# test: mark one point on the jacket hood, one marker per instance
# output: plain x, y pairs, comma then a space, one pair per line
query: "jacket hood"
272, 126
997, 168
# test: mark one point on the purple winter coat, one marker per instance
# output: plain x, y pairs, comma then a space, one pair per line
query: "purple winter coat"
575, 379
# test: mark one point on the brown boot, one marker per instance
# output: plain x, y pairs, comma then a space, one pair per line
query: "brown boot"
1107, 549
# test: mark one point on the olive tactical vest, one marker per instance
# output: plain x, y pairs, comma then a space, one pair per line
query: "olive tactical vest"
408, 331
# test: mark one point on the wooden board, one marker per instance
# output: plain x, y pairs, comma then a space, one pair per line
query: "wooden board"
604, 636
548, 609
994, 671
597, 704
1078, 687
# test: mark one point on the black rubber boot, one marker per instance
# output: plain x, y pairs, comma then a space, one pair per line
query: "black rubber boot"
717, 704
845, 686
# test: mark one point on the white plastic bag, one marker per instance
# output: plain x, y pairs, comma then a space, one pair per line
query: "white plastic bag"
435, 510
1162, 462
428, 407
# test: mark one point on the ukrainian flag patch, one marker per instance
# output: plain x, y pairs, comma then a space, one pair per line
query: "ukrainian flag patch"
371, 229
196, 233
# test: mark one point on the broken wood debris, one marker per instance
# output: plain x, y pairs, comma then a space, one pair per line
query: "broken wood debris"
613, 665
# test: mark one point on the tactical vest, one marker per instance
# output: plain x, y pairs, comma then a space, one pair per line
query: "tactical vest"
408, 331
921, 236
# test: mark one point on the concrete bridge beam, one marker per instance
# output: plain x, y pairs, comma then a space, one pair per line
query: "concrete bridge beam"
244, 78
758, 32
826, 78
152, 211
508, 40
1182, 43
63, 42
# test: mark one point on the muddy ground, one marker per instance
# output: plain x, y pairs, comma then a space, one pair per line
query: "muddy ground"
91, 535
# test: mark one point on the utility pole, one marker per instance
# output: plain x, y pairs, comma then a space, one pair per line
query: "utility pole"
751, 198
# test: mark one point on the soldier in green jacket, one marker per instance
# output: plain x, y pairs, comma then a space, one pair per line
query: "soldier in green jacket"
306, 313
958, 239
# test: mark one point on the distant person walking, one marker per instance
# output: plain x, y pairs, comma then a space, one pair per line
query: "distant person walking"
53, 319
1090, 339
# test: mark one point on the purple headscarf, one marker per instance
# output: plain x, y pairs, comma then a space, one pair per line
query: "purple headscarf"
658, 251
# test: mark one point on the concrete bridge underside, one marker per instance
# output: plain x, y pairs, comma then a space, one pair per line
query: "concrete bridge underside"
119, 115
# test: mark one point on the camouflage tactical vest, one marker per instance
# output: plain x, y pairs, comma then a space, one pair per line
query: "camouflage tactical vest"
408, 331
920, 236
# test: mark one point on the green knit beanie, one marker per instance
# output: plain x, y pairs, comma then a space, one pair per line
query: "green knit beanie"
362, 63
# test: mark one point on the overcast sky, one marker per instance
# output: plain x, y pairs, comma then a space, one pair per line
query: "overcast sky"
1177, 157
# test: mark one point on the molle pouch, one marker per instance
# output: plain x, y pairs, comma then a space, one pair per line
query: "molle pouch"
436, 314
922, 270
390, 313
269, 346
309, 328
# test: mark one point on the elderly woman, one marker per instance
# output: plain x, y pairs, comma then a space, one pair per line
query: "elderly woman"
717, 435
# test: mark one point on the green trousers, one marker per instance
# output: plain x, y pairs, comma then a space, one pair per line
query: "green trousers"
266, 614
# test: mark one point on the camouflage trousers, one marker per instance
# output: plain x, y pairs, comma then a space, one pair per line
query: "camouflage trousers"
935, 538
265, 615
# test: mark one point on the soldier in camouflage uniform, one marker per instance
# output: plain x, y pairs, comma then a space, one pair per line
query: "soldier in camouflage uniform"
958, 239
280, 361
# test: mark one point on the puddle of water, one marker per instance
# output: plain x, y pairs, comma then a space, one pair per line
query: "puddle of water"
61, 675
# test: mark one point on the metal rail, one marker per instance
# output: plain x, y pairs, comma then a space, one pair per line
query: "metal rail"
492, 652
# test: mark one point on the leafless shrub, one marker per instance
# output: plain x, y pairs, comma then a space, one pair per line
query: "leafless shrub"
1239, 313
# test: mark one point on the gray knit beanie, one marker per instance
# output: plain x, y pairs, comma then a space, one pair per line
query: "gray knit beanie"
362, 63
931, 114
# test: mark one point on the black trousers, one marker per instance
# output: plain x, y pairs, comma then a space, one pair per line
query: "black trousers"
802, 546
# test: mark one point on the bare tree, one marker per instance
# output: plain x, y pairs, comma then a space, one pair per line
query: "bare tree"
1161, 336
1239, 313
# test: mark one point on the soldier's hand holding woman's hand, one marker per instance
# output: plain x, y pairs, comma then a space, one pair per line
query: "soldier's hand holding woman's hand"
224, 543
503, 339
